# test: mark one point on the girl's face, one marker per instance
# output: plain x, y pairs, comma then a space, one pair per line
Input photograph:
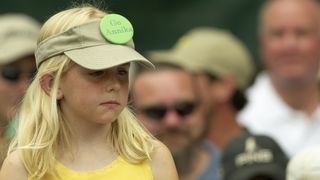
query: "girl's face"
94, 95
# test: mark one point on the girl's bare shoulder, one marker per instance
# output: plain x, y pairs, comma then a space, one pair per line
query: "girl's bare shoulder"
160, 148
13, 168
162, 162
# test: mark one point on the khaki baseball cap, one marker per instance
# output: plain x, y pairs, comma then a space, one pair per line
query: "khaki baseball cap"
87, 46
210, 50
18, 37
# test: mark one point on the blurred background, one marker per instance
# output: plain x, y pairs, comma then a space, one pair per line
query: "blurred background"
159, 23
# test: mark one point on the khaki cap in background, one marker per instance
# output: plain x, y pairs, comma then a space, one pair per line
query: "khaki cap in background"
18, 37
210, 50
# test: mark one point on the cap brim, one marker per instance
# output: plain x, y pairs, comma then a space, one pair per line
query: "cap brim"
106, 56
165, 56
16, 49
271, 170
177, 58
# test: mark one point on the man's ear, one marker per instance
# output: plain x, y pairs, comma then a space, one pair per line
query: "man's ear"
46, 83
223, 88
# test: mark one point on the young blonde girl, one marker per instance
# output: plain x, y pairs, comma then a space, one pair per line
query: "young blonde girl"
74, 122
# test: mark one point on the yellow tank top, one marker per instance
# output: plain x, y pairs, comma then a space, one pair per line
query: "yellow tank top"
119, 169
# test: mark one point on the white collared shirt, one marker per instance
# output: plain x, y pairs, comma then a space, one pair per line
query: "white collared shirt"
266, 113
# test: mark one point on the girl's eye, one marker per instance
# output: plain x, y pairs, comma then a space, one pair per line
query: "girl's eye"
97, 73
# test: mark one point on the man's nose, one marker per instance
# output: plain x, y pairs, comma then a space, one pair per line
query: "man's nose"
172, 119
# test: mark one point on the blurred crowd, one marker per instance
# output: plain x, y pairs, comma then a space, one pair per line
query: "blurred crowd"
220, 115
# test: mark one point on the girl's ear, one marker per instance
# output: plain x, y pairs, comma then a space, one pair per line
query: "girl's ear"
46, 83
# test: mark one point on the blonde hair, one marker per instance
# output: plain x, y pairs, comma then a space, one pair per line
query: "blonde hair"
42, 129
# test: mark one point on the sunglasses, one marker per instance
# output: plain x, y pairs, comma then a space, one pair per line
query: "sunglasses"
14, 74
159, 111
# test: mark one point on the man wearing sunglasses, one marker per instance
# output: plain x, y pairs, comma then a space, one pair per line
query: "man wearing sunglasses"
223, 69
168, 104
18, 34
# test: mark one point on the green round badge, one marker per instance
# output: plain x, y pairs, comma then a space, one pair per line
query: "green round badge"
116, 28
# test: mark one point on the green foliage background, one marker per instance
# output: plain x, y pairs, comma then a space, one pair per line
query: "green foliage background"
159, 23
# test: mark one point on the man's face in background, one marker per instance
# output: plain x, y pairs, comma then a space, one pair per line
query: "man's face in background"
167, 104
